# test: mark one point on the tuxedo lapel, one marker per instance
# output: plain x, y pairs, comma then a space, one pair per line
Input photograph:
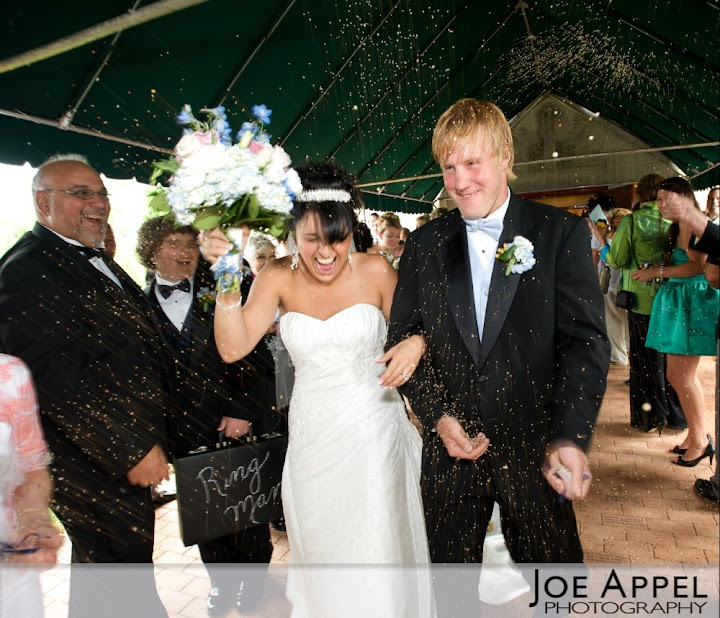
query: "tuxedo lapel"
130, 290
69, 253
453, 261
502, 287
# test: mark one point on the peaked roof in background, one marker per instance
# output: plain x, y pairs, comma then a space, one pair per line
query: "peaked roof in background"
363, 82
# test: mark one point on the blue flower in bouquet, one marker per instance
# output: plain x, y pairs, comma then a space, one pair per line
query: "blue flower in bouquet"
247, 127
185, 117
518, 254
217, 183
229, 271
262, 113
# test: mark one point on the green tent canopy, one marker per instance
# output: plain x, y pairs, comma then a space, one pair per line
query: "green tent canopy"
362, 82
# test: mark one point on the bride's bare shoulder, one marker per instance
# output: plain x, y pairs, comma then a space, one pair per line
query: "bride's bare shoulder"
373, 264
276, 272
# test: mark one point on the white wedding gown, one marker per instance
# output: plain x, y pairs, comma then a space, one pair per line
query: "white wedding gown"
351, 482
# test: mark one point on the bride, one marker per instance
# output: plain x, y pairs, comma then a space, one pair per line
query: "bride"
350, 487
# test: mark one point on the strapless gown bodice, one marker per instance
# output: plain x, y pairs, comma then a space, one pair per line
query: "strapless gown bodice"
336, 374
351, 482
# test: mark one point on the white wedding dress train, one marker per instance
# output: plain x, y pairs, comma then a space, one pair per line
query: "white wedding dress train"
351, 482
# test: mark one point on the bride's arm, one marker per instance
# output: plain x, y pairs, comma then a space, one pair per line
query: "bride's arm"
239, 329
402, 359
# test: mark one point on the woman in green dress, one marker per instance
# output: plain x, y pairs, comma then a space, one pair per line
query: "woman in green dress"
639, 242
682, 325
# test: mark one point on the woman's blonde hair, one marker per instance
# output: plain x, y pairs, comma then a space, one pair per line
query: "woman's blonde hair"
616, 216
386, 220
469, 120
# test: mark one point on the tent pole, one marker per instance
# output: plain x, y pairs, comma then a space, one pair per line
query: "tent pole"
99, 31
593, 155
82, 130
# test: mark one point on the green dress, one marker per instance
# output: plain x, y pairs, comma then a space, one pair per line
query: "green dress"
684, 315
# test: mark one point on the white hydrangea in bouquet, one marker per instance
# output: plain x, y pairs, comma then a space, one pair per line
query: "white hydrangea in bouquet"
215, 182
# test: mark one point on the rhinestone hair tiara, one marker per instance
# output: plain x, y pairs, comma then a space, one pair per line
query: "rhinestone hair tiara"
324, 195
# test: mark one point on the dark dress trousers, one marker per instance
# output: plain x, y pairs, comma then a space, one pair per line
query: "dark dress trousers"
100, 370
537, 374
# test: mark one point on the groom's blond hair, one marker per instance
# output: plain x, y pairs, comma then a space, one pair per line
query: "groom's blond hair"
468, 120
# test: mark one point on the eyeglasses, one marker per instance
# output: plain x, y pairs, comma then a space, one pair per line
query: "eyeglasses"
83, 194
190, 245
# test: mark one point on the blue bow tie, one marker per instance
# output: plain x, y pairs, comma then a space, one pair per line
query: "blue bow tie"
492, 227
167, 290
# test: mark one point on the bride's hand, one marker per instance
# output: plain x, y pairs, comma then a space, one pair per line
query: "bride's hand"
402, 360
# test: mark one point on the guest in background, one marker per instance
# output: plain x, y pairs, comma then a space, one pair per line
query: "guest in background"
712, 210
27, 535
682, 209
373, 227
389, 228
89, 336
258, 252
362, 237
109, 243
682, 325
422, 220
640, 242
607, 204
438, 211
616, 318
207, 396
404, 233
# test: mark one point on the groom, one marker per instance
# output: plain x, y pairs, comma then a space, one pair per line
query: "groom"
510, 386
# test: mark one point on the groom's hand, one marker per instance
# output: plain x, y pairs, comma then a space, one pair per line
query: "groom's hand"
456, 441
567, 470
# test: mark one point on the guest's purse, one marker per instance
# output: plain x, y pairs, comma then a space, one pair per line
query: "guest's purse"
604, 277
230, 487
625, 299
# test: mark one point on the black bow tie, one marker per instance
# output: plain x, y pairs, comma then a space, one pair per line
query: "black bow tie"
166, 290
90, 252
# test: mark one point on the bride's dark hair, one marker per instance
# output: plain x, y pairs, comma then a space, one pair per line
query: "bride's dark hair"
337, 219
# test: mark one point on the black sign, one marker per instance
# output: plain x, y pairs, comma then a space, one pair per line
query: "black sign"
229, 489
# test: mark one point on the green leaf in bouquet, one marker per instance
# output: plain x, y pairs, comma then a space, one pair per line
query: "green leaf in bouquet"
209, 218
253, 207
165, 166
158, 204
275, 230
237, 210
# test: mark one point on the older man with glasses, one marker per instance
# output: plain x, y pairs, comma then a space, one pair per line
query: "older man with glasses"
87, 333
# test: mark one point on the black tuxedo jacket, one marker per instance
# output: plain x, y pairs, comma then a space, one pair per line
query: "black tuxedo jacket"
203, 387
539, 371
96, 357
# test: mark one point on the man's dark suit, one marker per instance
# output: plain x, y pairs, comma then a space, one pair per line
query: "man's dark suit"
203, 390
99, 368
538, 374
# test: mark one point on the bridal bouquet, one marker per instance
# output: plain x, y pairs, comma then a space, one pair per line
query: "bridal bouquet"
216, 182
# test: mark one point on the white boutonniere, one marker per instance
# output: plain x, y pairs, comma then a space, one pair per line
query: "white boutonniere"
518, 254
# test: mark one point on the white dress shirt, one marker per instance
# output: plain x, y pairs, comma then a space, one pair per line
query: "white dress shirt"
177, 305
482, 249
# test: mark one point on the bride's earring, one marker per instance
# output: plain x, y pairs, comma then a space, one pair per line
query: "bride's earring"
350, 260
295, 260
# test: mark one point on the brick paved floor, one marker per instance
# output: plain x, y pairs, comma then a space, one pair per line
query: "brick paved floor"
642, 510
